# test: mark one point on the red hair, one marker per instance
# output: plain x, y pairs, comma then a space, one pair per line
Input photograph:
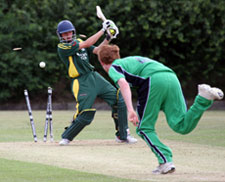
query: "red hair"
108, 53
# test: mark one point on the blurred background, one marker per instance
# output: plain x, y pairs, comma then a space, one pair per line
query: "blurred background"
186, 35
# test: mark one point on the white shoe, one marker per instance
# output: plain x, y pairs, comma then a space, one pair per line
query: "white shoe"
210, 93
64, 142
218, 93
129, 140
164, 168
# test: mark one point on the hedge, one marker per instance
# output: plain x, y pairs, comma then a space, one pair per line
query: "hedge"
186, 35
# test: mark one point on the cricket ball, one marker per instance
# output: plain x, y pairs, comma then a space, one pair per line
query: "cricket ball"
42, 64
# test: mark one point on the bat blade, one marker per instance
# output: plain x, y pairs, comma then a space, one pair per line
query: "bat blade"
17, 48
100, 15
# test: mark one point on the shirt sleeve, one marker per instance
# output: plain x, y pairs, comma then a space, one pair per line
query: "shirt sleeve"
90, 49
115, 73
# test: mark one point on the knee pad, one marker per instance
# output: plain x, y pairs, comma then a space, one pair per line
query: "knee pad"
119, 114
86, 116
121, 105
115, 116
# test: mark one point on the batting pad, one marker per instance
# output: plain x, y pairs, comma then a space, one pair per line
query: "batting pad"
83, 119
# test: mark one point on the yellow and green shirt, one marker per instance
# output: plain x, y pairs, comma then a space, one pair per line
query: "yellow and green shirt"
77, 61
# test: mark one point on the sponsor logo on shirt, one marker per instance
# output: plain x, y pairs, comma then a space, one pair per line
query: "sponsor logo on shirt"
82, 54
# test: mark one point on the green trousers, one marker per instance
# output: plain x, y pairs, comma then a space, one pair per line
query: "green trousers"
85, 90
162, 91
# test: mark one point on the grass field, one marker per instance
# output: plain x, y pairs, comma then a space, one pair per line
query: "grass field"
94, 155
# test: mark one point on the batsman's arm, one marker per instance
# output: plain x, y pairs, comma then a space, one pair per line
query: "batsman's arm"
91, 40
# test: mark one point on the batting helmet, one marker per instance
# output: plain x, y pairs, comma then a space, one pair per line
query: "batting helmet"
65, 26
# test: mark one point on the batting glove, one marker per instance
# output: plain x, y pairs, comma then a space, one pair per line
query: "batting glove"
113, 31
106, 24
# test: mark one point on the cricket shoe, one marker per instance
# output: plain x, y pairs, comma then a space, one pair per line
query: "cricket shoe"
64, 142
210, 93
218, 93
165, 168
130, 139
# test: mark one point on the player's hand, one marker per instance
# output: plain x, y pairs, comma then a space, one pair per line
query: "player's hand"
132, 117
106, 24
113, 32
110, 29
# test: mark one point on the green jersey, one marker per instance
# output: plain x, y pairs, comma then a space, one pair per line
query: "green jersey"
135, 68
77, 61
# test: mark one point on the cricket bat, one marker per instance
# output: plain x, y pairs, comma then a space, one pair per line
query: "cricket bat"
100, 15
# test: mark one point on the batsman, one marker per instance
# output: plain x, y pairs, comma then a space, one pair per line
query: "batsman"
87, 84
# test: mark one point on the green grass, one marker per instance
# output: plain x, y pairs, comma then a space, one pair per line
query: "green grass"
209, 131
15, 127
17, 171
